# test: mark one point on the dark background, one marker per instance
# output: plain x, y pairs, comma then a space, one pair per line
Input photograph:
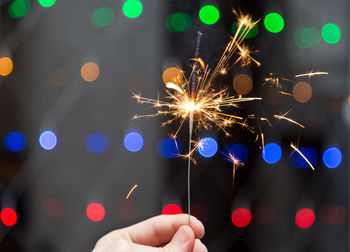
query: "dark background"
132, 55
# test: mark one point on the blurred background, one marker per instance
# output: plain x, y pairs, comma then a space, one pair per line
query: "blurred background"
70, 151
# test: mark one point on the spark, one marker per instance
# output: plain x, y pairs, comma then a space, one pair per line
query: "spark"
130, 192
310, 74
235, 164
302, 155
283, 117
285, 93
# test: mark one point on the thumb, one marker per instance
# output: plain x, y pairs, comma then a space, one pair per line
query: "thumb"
183, 241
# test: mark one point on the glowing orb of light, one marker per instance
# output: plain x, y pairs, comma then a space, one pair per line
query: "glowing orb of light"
241, 217
96, 143
331, 33
207, 147
102, 17
299, 162
271, 153
132, 8
209, 14
48, 140
242, 84
169, 148
133, 141
172, 209
305, 218
18, 8
15, 141
172, 74
8, 217
95, 212
274, 22
46, 3
6, 66
302, 92
238, 151
332, 157
178, 22
90, 71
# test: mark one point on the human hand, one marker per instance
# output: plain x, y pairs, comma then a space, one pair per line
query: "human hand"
164, 233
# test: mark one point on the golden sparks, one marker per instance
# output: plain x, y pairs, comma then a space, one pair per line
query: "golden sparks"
310, 74
130, 192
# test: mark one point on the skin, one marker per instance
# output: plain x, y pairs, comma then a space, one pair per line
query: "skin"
164, 233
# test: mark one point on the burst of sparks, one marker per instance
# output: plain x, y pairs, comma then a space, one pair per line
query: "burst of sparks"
283, 117
310, 74
208, 106
302, 155
130, 192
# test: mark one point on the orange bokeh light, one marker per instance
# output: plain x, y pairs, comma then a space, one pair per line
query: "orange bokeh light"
242, 84
172, 74
6, 66
90, 71
302, 92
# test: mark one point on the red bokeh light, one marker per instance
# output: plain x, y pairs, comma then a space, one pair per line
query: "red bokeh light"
95, 212
53, 207
8, 216
263, 214
172, 209
333, 214
305, 218
241, 217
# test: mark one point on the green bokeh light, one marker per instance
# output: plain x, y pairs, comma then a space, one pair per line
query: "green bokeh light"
19, 8
209, 14
274, 22
46, 3
102, 17
178, 22
132, 8
307, 37
331, 33
251, 34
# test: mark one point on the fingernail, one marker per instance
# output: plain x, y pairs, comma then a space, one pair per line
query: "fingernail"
181, 236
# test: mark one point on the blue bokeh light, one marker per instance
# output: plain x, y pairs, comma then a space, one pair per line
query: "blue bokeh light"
299, 162
169, 148
15, 141
207, 147
133, 141
271, 153
238, 151
332, 157
96, 143
48, 140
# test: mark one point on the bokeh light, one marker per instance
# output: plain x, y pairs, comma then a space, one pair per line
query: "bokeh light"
6, 66
90, 71
242, 84
8, 217
274, 22
207, 147
53, 207
128, 209
302, 92
299, 162
305, 218
172, 74
48, 140
307, 37
271, 153
47, 3
263, 214
331, 33
102, 17
209, 14
19, 8
96, 143
58, 77
251, 34
333, 214
332, 157
132, 8
133, 141
172, 209
15, 141
241, 217
169, 148
95, 212
238, 151
178, 22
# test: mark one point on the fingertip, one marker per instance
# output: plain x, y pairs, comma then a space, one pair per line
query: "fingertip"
199, 246
184, 237
198, 227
